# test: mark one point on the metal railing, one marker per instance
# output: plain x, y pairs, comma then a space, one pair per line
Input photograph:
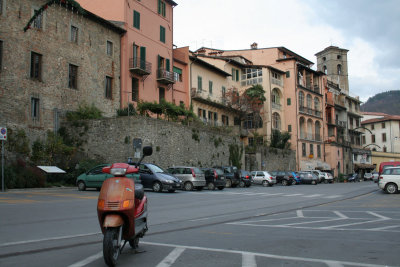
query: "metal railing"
276, 106
137, 63
277, 82
163, 74
310, 111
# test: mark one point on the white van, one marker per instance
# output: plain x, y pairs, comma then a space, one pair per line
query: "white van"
389, 180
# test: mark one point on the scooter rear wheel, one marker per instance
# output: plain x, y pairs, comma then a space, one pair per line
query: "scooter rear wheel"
110, 246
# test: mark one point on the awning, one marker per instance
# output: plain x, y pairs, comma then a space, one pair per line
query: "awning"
314, 165
51, 169
364, 166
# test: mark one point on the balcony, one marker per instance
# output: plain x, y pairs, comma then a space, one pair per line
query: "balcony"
140, 67
340, 123
276, 106
165, 76
310, 111
277, 82
310, 137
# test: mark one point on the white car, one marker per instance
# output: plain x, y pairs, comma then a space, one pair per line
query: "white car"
263, 177
375, 177
368, 176
328, 177
389, 180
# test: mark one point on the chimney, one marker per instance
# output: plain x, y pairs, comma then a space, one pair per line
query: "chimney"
254, 45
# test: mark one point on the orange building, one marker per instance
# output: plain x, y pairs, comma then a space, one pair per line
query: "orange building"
147, 57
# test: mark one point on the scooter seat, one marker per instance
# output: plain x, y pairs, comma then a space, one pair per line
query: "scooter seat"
139, 191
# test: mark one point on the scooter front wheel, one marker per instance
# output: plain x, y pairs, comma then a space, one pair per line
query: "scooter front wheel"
110, 246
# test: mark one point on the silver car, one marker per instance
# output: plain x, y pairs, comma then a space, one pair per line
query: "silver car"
263, 177
192, 177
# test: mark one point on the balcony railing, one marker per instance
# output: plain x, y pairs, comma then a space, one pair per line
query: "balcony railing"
310, 111
310, 136
340, 123
139, 66
165, 76
276, 106
277, 82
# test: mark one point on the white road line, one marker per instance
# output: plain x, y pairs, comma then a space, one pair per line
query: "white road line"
45, 239
300, 213
333, 264
268, 220
249, 260
333, 196
330, 220
88, 260
280, 257
315, 195
293, 195
350, 224
378, 215
384, 228
341, 215
172, 257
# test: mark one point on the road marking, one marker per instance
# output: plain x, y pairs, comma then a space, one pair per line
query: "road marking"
341, 215
293, 195
300, 213
333, 196
315, 195
249, 260
384, 228
172, 257
330, 220
267, 220
88, 260
378, 215
350, 224
280, 257
45, 239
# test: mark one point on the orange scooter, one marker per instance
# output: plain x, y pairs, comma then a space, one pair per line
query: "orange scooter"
122, 209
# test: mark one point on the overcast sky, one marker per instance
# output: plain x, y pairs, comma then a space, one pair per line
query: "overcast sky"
370, 29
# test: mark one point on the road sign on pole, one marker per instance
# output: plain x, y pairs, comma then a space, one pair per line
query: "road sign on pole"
3, 133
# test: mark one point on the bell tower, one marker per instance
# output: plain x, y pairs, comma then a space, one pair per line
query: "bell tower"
333, 62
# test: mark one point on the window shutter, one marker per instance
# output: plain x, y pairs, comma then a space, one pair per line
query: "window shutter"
158, 62
143, 57
159, 6
289, 101
167, 63
237, 75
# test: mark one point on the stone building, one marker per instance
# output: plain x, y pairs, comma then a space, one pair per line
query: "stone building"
66, 58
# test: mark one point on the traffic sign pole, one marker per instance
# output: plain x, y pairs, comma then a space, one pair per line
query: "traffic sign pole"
2, 165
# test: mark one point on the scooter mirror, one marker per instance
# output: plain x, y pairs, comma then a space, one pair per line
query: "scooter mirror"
147, 151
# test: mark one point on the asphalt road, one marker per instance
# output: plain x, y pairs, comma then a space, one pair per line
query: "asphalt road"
303, 225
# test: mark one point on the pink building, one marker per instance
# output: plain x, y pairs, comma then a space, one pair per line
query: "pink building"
147, 57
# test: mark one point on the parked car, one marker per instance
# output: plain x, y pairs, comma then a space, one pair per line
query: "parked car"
263, 177
389, 180
387, 164
328, 177
215, 178
95, 177
375, 177
282, 177
368, 176
232, 176
191, 177
156, 178
245, 178
353, 178
308, 177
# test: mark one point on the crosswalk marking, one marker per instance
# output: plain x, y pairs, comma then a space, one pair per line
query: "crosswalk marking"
172, 257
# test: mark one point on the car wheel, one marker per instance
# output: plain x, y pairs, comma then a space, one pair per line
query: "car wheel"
157, 187
171, 190
221, 187
265, 183
313, 182
241, 184
284, 182
391, 188
81, 186
293, 182
188, 186
228, 183
211, 186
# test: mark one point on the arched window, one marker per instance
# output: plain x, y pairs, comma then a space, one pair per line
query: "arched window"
325, 70
339, 69
302, 128
309, 101
309, 129
301, 99
317, 131
276, 99
316, 103
276, 121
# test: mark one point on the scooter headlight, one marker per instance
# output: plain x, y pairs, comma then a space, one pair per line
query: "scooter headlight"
118, 171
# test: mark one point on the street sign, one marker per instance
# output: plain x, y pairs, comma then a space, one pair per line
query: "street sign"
3, 133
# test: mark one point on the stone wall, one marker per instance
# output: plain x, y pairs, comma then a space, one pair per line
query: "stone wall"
270, 159
111, 139
53, 43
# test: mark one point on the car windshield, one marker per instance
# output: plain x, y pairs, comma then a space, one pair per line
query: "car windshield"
219, 171
155, 168
197, 171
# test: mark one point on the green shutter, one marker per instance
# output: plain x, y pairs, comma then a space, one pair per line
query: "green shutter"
162, 34
167, 64
289, 101
142, 57
233, 74
289, 128
177, 70
237, 75
136, 19
199, 83
210, 86
288, 74
159, 6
